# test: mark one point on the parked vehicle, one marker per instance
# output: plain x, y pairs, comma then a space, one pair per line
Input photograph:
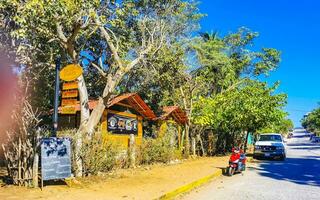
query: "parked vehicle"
270, 145
237, 162
315, 139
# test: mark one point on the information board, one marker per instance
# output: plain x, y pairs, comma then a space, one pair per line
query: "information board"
55, 158
122, 125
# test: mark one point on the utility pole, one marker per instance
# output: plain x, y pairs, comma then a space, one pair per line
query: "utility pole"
56, 98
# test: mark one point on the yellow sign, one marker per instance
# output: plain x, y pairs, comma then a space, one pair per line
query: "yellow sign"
70, 94
68, 102
71, 72
70, 85
68, 110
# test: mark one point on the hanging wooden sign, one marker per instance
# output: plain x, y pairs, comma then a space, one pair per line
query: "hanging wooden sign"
71, 72
68, 102
68, 110
70, 85
70, 94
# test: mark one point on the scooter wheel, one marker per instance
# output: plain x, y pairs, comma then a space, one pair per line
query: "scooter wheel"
231, 171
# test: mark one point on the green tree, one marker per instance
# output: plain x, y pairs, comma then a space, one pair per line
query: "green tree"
249, 107
118, 34
283, 126
312, 121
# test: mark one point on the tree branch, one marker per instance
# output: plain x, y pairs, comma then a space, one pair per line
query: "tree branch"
60, 33
106, 35
75, 31
137, 60
99, 69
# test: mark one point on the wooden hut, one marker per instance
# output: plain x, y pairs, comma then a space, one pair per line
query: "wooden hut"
123, 116
172, 116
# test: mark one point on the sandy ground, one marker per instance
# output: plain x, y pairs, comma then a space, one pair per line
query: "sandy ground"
147, 182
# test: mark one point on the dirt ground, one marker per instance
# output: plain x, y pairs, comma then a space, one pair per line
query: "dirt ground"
147, 182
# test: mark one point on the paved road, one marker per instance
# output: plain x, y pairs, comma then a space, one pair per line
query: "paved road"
297, 178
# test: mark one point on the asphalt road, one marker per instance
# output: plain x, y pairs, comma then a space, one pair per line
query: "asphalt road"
296, 178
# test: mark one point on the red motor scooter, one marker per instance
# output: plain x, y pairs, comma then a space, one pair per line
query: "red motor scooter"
237, 162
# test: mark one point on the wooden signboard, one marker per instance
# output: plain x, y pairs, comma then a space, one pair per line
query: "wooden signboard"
71, 72
69, 110
69, 102
121, 125
70, 94
70, 85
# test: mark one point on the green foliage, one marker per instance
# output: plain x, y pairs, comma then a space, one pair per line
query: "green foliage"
159, 74
312, 121
283, 126
159, 150
250, 106
99, 155
45, 30
214, 78
245, 61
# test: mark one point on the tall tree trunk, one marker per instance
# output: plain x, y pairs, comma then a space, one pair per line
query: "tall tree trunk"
84, 101
90, 121
35, 166
187, 125
84, 117
193, 146
201, 144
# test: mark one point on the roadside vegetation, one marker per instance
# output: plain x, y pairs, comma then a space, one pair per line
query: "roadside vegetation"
311, 121
152, 48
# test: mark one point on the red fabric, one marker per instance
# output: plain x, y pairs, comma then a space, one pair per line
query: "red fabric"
235, 156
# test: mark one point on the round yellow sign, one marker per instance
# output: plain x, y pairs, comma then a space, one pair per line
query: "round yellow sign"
71, 72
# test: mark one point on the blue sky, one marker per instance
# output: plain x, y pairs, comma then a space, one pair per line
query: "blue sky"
291, 26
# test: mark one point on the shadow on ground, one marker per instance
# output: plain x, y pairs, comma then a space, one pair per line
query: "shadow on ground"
300, 170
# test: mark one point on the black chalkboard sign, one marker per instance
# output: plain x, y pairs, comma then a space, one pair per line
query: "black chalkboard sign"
55, 158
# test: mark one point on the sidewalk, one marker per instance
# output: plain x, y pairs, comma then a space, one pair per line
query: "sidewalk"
148, 182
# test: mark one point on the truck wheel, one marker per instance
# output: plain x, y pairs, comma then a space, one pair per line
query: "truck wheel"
282, 158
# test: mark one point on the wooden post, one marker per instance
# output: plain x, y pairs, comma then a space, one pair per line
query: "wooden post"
19, 162
193, 146
41, 182
35, 170
132, 151
179, 136
78, 146
187, 144
182, 140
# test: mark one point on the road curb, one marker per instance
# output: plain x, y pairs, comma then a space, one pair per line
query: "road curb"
190, 186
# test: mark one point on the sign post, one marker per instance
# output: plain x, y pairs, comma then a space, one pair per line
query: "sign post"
70, 92
56, 98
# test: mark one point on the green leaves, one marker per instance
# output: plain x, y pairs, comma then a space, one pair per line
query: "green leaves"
251, 106
312, 121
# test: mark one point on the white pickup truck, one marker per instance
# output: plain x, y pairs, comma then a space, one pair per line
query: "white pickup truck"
270, 145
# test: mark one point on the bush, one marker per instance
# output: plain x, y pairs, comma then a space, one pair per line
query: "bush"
97, 155
103, 156
159, 150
